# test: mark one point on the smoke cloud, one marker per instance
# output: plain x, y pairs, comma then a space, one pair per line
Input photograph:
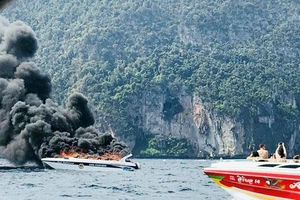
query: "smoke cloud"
32, 126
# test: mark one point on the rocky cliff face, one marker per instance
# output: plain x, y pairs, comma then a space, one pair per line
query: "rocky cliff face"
185, 116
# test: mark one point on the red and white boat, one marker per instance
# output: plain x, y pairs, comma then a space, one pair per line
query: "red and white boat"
252, 180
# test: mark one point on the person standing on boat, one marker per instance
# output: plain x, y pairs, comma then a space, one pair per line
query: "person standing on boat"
263, 153
281, 152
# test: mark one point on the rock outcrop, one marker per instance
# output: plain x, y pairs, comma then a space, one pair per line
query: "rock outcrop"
208, 132
185, 116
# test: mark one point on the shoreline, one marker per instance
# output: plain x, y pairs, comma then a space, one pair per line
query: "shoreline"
192, 157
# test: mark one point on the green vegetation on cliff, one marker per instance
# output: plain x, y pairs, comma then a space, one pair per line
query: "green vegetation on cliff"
167, 146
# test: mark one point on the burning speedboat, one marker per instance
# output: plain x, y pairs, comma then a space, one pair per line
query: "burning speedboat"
86, 164
33, 126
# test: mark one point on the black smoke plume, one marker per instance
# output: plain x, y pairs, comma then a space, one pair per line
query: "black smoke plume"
32, 126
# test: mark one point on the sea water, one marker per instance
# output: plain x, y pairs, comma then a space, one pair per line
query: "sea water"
169, 179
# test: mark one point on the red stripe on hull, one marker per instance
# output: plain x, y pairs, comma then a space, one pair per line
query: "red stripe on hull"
295, 177
277, 185
265, 190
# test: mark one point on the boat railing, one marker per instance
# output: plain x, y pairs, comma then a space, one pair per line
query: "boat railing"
275, 160
126, 158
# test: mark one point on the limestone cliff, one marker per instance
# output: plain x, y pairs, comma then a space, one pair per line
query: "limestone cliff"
203, 128
185, 116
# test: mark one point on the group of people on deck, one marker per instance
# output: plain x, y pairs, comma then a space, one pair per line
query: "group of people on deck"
279, 155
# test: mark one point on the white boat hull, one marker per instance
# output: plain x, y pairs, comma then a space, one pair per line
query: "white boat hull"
90, 164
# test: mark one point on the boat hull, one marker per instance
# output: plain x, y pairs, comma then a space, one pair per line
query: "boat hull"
88, 164
254, 182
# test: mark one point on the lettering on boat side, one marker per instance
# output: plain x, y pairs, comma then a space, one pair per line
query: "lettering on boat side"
242, 179
97, 165
81, 164
295, 185
231, 178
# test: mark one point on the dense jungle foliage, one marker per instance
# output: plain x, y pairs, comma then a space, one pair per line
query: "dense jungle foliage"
236, 55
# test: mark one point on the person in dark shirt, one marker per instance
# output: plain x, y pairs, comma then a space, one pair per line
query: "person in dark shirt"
254, 154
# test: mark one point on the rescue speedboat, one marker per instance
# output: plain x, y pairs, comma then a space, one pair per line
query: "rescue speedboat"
90, 164
252, 180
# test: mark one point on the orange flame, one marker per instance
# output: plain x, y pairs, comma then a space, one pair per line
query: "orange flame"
110, 156
69, 154
73, 154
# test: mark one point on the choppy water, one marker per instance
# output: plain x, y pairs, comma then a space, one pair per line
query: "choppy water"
158, 179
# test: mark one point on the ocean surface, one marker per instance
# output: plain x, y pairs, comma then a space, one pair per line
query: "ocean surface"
169, 179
